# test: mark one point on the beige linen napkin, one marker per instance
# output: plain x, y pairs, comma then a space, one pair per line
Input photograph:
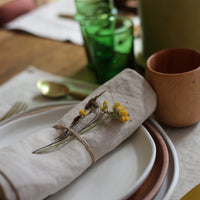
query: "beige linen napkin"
28, 176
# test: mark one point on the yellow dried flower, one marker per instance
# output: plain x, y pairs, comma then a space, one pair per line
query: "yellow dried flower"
123, 112
105, 104
116, 105
82, 113
122, 107
122, 119
118, 109
126, 118
120, 112
102, 108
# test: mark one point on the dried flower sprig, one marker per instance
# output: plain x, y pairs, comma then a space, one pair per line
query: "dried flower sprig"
102, 114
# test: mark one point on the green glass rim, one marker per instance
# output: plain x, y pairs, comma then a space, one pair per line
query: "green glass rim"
112, 18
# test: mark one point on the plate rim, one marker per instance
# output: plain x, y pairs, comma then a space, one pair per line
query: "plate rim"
173, 157
154, 181
147, 171
44, 107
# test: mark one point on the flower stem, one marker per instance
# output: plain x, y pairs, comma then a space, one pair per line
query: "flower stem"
55, 144
96, 124
52, 145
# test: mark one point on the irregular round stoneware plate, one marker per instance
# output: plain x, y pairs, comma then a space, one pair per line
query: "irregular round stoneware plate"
116, 176
151, 186
171, 179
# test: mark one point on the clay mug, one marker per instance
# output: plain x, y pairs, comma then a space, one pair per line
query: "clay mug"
175, 76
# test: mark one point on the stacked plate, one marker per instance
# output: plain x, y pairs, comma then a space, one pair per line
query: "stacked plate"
145, 166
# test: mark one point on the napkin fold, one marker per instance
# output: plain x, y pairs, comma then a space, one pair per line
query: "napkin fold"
24, 175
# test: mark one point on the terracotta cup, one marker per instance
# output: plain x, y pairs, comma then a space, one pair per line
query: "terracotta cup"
175, 76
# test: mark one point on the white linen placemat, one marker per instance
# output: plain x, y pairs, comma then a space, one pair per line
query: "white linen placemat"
187, 143
186, 140
45, 22
23, 88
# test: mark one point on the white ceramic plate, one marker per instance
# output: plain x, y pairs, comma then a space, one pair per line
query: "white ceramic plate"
115, 176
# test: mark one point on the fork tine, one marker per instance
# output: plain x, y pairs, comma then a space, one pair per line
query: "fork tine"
20, 107
15, 109
10, 111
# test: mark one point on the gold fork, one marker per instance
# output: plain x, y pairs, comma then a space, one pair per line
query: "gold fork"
15, 109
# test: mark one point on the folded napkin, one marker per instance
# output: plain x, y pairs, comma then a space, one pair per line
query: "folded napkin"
24, 175
45, 22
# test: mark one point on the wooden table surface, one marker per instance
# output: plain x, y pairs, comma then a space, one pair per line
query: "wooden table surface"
19, 50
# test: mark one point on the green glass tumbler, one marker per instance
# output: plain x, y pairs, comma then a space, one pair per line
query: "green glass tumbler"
110, 45
89, 10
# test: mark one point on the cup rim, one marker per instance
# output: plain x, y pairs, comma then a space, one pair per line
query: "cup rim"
111, 18
171, 74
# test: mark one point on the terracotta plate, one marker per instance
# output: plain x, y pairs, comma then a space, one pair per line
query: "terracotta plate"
153, 183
